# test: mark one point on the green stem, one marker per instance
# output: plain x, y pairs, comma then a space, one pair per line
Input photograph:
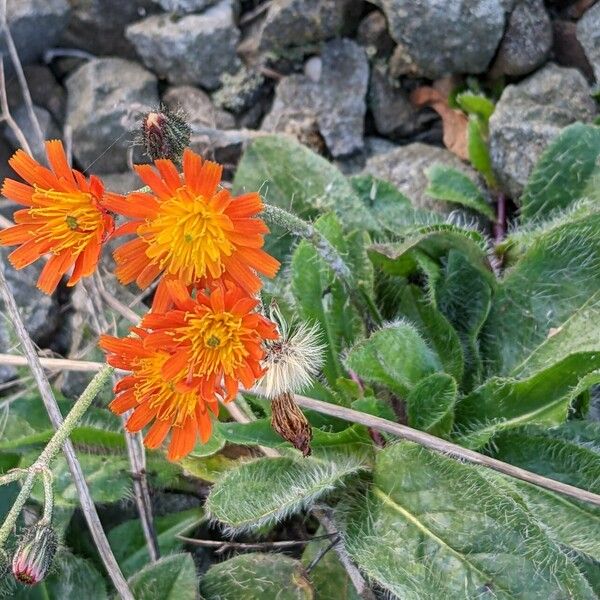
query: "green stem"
41, 465
300, 228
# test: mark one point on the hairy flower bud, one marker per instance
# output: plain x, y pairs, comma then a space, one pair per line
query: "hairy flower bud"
290, 423
33, 558
165, 134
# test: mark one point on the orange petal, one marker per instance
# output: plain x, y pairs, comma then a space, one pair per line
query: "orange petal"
17, 191
53, 270
192, 163
246, 205
141, 416
260, 260
18, 234
169, 173
123, 402
242, 275
58, 161
209, 178
204, 425
152, 179
183, 440
86, 262
157, 433
175, 365
179, 294
136, 205
31, 171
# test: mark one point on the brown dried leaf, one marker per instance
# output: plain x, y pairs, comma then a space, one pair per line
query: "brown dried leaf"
290, 423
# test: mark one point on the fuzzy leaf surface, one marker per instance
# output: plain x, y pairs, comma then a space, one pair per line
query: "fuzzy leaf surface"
430, 404
171, 578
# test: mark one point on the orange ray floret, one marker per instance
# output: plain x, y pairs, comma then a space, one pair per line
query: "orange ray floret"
63, 218
190, 229
185, 360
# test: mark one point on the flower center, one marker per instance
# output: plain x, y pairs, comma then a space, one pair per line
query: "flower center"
216, 341
68, 219
171, 403
188, 238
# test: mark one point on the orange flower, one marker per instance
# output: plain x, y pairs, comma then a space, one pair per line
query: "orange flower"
63, 217
184, 360
190, 229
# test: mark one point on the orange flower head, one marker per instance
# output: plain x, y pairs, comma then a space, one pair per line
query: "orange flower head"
63, 218
190, 229
185, 360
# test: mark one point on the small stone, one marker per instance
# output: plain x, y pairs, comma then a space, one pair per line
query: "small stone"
344, 83
104, 98
313, 68
392, 111
530, 115
373, 35
98, 26
567, 50
405, 167
47, 125
527, 41
588, 34
40, 313
241, 90
198, 109
25, 18
195, 49
401, 63
184, 6
305, 23
441, 38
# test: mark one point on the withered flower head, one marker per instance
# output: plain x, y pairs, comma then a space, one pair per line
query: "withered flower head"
33, 558
290, 423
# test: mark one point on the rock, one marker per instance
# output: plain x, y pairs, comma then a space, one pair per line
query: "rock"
344, 82
527, 41
121, 183
47, 125
443, 37
198, 108
405, 167
401, 63
567, 51
241, 90
44, 89
103, 96
41, 313
302, 23
295, 111
184, 6
7, 372
373, 35
313, 68
588, 34
98, 26
392, 111
195, 49
324, 110
530, 115
35, 26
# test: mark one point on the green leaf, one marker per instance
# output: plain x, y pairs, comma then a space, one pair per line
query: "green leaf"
400, 258
395, 356
129, 544
567, 171
476, 104
479, 154
321, 297
432, 527
464, 296
434, 327
291, 176
265, 491
170, 578
374, 406
257, 576
329, 577
555, 277
392, 209
504, 403
565, 454
430, 404
450, 185
70, 577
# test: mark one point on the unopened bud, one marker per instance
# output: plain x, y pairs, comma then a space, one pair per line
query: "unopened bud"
290, 423
165, 134
33, 558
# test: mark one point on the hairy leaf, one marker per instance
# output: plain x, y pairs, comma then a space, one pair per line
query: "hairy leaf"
567, 171
395, 356
479, 154
432, 527
171, 578
430, 404
450, 185
257, 576
267, 490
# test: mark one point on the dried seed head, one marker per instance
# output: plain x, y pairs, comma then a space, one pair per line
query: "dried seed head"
290, 423
165, 134
33, 558
293, 360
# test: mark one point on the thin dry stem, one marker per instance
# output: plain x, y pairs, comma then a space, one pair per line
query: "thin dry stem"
6, 116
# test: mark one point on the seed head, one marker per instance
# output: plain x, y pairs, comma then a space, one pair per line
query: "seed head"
33, 558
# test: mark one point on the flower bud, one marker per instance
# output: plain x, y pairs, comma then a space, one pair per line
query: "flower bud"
290, 423
165, 134
35, 554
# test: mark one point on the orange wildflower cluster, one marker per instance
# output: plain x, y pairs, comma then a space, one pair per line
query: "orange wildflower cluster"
204, 336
